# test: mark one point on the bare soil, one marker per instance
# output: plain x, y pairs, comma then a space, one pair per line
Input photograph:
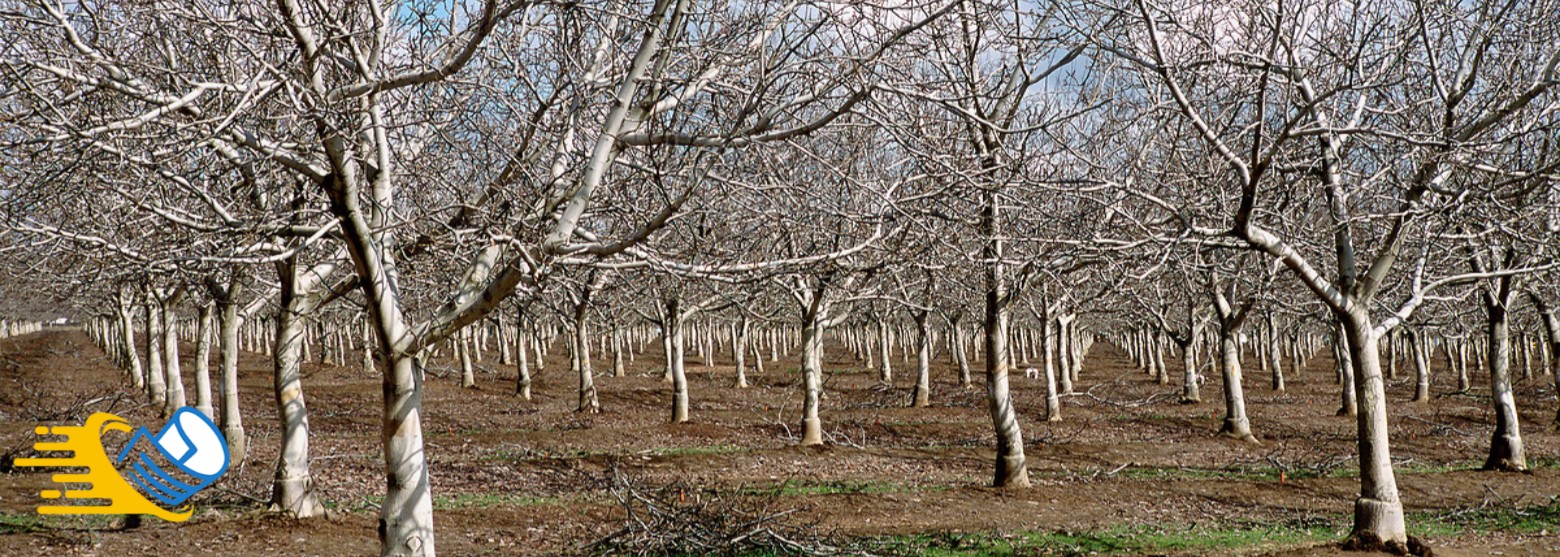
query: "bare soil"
512, 477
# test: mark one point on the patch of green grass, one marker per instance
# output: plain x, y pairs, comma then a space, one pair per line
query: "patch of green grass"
1130, 417
695, 451
1544, 462
905, 423
25, 522
510, 454
1418, 468
1245, 474
525, 455
826, 371
1489, 519
1267, 473
1144, 539
370, 503
794, 488
1119, 540
491, 500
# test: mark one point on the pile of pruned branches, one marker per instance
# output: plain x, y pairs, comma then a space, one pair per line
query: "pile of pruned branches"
680, 519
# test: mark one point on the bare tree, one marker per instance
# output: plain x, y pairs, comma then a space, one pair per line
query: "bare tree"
1291, 86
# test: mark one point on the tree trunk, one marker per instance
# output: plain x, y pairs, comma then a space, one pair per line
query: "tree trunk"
1075, 353
1064, 349
812, 372
1506, 452
666, 348
1421, 356
1048, 352
232, 421
1010, 467
1053, 402
588, 400
960, 352
406, 516
739, 344
1296, 354
758, 355
1275, 354
921, 397
674, 326
1378, 511
1391, 342
538, 339
292, 489
156, 380
1349, 403
573, 347
1235, 422
1527, 355
505, 344
170, 339
127, 338
464, 345
368, 348
1161, 372
1551, 319
1190, 392
1463, 384
885, 371
203, 363
617, 351
522, 363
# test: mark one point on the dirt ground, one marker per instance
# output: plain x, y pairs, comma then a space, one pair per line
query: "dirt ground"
531, 478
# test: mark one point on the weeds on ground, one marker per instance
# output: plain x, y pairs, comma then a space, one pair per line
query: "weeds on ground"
1196, 539
678, 518
1119, 540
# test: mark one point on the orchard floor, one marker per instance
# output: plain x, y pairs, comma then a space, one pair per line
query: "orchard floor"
1128, 471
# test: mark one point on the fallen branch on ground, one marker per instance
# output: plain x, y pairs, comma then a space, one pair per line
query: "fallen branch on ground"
680, 519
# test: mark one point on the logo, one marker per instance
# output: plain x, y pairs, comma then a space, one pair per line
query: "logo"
153, 474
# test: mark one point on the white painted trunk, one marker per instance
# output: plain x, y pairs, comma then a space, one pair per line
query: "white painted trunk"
1236, 424
1348, 401
1551, 319
292, 488
679, 371
961, 357
617, 352
406, 516
464, 345
1377, 511
156, 380
1421, 356
1011, 471
1053, 402
885, 369
232, 420
127, 338
812, 373
1506, 451
1065, 351
1191, 393
170, 347
921, 397
203, 363
739, 343
522, 365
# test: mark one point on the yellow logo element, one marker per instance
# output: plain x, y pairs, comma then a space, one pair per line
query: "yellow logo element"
189, 444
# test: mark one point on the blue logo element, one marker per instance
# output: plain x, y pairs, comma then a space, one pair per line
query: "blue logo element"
182, 459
